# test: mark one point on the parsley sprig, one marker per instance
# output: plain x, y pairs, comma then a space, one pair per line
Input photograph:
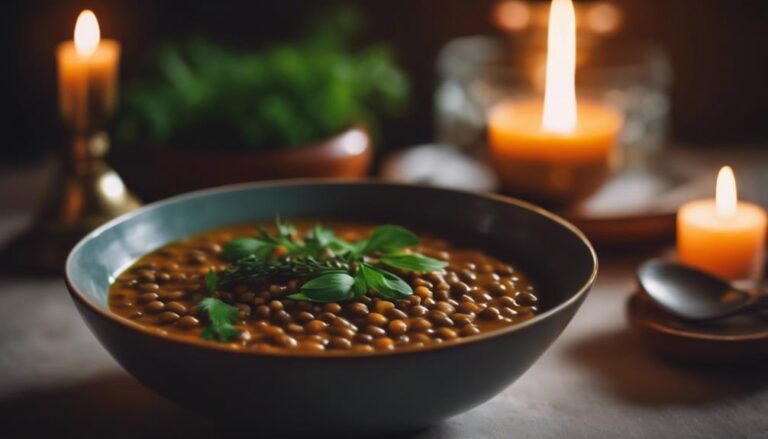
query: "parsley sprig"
221, 315
336, 270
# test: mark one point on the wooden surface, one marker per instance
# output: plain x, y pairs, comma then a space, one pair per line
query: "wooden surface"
596, 381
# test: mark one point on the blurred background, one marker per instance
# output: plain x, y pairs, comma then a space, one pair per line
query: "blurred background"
718, 95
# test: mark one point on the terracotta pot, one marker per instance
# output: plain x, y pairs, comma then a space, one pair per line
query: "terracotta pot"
154, 172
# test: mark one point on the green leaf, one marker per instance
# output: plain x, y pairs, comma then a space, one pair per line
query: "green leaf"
211, 281
389, 238
284, 237
285, 230
361, 286
301, 296
277, 97
388, 285
221, 317
240, 248
412, 262
322, 236
329, 287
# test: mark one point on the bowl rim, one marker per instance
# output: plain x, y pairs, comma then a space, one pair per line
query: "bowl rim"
87, 302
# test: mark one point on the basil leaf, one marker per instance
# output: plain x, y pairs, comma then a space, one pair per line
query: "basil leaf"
387, 284
389, 238
240, 248
320, 239
329, 287
361, 286
413, 262
221, 316
211, 281
323, 236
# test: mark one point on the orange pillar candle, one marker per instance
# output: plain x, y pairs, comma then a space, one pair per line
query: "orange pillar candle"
87, 76
724, 236
558, 150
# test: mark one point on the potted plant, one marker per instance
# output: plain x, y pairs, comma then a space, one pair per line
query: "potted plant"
216, 115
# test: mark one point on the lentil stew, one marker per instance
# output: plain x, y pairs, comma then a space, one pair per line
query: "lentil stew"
473, 293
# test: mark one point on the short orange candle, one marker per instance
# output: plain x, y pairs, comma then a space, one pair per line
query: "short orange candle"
724, 236
87, 75
557, 150
515, 134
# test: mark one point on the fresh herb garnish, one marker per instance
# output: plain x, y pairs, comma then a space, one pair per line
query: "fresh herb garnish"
411, 262
221, 317
337, 270
252, 267
329, 287
389, 239
211, 281
386, 283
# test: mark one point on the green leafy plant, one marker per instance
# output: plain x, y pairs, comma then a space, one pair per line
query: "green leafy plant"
209, 96
336, 270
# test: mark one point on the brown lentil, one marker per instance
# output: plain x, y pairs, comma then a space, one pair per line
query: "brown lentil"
423, 292
440, 318
339, 343
149, 287
294, 328
176, 307
168, 317
285, 341
470, 330
358, 309
383, 343
395, 313
188, 322
375, 331
446, 333
398, 327
316, 326
421, 325
490, 313
148, 297
155, 306
376, 319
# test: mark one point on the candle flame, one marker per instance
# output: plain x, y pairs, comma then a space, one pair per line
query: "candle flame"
87, 33
725, 193
560, 88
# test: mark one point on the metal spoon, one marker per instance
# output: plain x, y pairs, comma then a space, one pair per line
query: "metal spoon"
693, 294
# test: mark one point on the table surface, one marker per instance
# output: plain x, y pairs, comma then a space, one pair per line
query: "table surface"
597, 380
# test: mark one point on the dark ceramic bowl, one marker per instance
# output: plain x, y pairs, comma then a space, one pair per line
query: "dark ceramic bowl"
362, 392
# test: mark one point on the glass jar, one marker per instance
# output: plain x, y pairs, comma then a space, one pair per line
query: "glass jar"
477, 72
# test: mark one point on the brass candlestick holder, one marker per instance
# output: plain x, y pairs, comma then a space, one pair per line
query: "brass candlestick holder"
85, 191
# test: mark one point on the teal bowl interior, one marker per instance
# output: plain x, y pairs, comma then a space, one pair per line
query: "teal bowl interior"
556, 255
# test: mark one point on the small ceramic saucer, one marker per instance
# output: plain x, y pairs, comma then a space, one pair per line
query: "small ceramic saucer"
730, 340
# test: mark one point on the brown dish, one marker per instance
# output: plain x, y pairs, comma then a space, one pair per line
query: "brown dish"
154, 172
470, 293
730, 340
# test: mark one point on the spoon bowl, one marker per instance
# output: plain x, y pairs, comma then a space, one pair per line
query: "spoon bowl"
693, 294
